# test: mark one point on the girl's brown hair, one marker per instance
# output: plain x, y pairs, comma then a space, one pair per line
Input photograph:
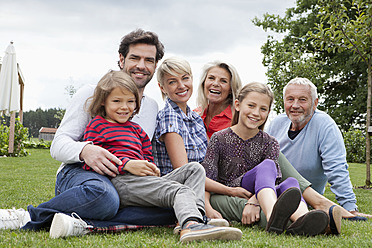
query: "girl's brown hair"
252, 87
108, 82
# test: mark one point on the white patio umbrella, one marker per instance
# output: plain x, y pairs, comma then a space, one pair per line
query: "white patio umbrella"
9, 84
9, 90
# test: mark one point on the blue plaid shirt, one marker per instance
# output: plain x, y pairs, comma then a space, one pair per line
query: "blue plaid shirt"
171, 119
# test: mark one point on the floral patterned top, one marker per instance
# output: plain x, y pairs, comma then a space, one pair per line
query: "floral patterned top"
229, 157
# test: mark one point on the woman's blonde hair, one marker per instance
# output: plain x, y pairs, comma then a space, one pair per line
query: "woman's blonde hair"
105, 86
235, 82
253, 87
173, 66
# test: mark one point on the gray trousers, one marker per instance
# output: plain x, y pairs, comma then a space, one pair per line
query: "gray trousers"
183, 189
231, 208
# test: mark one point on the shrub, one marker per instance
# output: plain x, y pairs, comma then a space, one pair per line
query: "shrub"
39, 144
20, 137
355, 144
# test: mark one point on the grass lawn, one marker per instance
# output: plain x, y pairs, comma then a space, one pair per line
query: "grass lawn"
30, 180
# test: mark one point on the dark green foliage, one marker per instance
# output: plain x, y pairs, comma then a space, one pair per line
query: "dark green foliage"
340, 77
39, 118
355, 144
20, 137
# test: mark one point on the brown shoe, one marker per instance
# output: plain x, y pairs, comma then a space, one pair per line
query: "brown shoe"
286, 204
309, 224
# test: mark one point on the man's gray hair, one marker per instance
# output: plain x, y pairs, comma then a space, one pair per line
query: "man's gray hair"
303, 81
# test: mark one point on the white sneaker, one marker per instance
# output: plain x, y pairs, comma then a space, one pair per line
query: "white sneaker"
212, 222
64, 226
13, 218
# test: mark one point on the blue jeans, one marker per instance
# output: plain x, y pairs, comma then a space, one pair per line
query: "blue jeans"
94, 199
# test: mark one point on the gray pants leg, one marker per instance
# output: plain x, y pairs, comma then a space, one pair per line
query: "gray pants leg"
183, 190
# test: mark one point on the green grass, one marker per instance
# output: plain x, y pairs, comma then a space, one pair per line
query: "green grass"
30, 180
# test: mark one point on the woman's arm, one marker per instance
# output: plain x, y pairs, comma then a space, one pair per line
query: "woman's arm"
176, 149
209, 210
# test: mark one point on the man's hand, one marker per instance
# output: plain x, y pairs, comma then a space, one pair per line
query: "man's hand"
100, 160
240, 192
142, 168
251, 214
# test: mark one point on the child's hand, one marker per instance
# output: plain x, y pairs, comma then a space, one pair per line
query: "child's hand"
240, 192
142, 168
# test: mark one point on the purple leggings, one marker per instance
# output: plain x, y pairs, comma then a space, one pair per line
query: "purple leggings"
264, 176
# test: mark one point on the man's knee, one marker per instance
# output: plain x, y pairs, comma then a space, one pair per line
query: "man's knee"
104, 198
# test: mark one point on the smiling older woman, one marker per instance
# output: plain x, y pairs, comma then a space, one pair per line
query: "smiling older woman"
216, 94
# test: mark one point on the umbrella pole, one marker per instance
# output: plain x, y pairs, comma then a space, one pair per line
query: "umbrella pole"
11, 132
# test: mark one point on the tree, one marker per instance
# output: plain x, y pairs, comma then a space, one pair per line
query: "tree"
347, 26
34, 120
340, 78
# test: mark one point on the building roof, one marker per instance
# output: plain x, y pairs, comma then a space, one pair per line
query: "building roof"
47, 130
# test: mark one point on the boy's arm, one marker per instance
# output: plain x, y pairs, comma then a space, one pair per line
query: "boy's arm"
141, 168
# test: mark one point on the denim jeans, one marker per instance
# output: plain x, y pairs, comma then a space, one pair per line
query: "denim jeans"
94, 199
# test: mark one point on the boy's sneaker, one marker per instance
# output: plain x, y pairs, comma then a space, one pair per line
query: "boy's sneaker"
13, 218
212, 222
199, 231
64, 225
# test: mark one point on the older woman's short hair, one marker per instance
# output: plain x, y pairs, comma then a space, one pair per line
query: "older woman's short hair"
303, 81
235, 82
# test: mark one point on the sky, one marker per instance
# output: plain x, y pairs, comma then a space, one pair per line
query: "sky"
75, 42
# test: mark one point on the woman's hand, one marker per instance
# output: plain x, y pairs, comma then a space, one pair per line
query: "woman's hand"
142, 168
212, 213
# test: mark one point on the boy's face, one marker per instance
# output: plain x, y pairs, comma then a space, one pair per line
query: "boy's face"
119, 105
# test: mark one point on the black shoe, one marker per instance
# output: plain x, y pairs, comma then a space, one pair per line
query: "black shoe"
285, 206
335, 216
310, 224
356, 218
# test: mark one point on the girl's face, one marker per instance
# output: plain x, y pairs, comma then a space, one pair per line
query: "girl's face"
217, 85
253, 110
178, 88
119, 105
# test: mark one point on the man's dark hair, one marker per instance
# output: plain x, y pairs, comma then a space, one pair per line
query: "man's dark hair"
140, 36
